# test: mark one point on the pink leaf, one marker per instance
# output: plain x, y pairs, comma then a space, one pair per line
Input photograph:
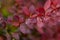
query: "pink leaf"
24, 29
39, 25
32, 9
26, 11
29, 23
47, 4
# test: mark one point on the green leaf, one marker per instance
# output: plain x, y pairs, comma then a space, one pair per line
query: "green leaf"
11, 29
5, 12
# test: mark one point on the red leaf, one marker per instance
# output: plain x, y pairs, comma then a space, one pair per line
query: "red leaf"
41, 11
26, 11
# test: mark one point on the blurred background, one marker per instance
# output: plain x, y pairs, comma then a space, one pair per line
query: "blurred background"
29, 20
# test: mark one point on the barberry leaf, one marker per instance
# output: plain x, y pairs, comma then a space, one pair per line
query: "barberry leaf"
47, 4
40, 25
26, 11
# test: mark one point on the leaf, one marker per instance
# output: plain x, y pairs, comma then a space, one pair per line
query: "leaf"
41, 11
24, 29
5, 13
11, 29
40, 25
47, 4
32, 9
26, 11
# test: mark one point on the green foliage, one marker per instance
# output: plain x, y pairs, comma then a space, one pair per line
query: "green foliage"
11, 29
5, 12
